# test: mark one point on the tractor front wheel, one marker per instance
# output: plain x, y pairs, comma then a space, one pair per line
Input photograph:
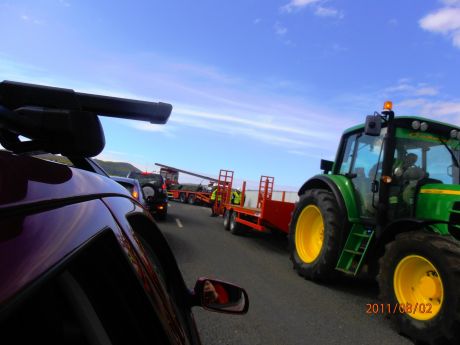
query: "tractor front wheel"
314, 235
420, 273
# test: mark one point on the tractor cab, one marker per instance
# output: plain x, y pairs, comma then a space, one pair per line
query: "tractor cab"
397, 160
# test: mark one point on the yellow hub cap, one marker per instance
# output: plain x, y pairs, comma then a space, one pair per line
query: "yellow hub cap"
309, 234
416, 281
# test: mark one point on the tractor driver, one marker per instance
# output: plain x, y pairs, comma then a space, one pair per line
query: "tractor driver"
406, 176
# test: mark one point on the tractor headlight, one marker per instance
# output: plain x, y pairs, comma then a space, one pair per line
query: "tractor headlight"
416, 125
423, 126
453, 133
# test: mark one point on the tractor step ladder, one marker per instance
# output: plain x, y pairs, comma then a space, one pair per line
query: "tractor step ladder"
355, 249
265, 189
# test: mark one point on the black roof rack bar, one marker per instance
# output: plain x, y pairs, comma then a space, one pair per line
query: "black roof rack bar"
15, 95
153, 112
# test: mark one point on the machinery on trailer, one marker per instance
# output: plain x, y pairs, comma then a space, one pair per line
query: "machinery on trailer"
191, 193
268, 213
391, 203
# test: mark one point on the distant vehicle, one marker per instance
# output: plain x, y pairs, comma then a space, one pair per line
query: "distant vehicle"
133, 187
154, 190
81, 262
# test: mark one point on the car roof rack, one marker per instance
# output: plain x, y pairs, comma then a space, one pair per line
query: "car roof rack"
59, 120
14, 95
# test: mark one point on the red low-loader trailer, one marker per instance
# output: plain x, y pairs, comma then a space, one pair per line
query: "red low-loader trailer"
269, 214
189, 196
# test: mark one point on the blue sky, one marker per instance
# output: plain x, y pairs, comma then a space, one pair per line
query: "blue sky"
259, 87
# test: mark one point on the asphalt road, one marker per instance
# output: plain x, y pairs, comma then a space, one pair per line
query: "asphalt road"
284, 308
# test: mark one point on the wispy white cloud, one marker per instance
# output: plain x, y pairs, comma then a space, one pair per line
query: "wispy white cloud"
28, 19
280, 30
257, 21
297, 4
64, 3
426, 91
233, 128
316, 5
149, 127
265, 124
447, 111
445, 21
260, 111
406, 89
328, 12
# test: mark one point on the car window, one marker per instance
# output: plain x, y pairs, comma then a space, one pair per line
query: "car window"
95, 300
147, 178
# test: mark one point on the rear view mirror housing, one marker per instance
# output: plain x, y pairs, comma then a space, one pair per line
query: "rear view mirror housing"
326, 166
373, 125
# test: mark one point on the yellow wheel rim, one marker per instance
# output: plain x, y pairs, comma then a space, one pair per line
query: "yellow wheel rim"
309, 234
416, 281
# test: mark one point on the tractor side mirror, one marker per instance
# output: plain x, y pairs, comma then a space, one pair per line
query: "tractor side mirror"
326, 165
373, 125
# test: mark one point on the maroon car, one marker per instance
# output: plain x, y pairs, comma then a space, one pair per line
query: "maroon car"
81, 261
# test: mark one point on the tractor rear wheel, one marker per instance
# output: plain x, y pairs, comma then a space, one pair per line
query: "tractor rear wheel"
191, 199
420, 271
227, 215
314, 235
182, 198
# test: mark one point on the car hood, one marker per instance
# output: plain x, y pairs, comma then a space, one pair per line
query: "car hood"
26, 180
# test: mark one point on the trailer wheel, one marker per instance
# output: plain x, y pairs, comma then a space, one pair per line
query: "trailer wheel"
420, 270
235, 227
191, 199
227, 215
182, 197
314, 235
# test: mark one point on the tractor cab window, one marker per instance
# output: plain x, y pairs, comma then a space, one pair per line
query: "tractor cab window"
420, 158
348, 155
361, 164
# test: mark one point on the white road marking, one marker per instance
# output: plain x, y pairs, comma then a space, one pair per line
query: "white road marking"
179, 224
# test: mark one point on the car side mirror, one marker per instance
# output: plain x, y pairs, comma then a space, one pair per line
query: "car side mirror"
373, 125
220, 296
326, 165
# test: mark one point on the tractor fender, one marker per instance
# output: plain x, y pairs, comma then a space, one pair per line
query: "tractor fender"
341, 188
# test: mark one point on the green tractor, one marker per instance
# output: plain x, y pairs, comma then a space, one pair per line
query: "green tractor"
389, 205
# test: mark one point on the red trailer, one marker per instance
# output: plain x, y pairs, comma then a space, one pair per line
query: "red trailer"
268, 214
187, 192
189, 196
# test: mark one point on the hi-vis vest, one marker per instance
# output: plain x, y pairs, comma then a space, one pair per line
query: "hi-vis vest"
213, 195
236, 197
